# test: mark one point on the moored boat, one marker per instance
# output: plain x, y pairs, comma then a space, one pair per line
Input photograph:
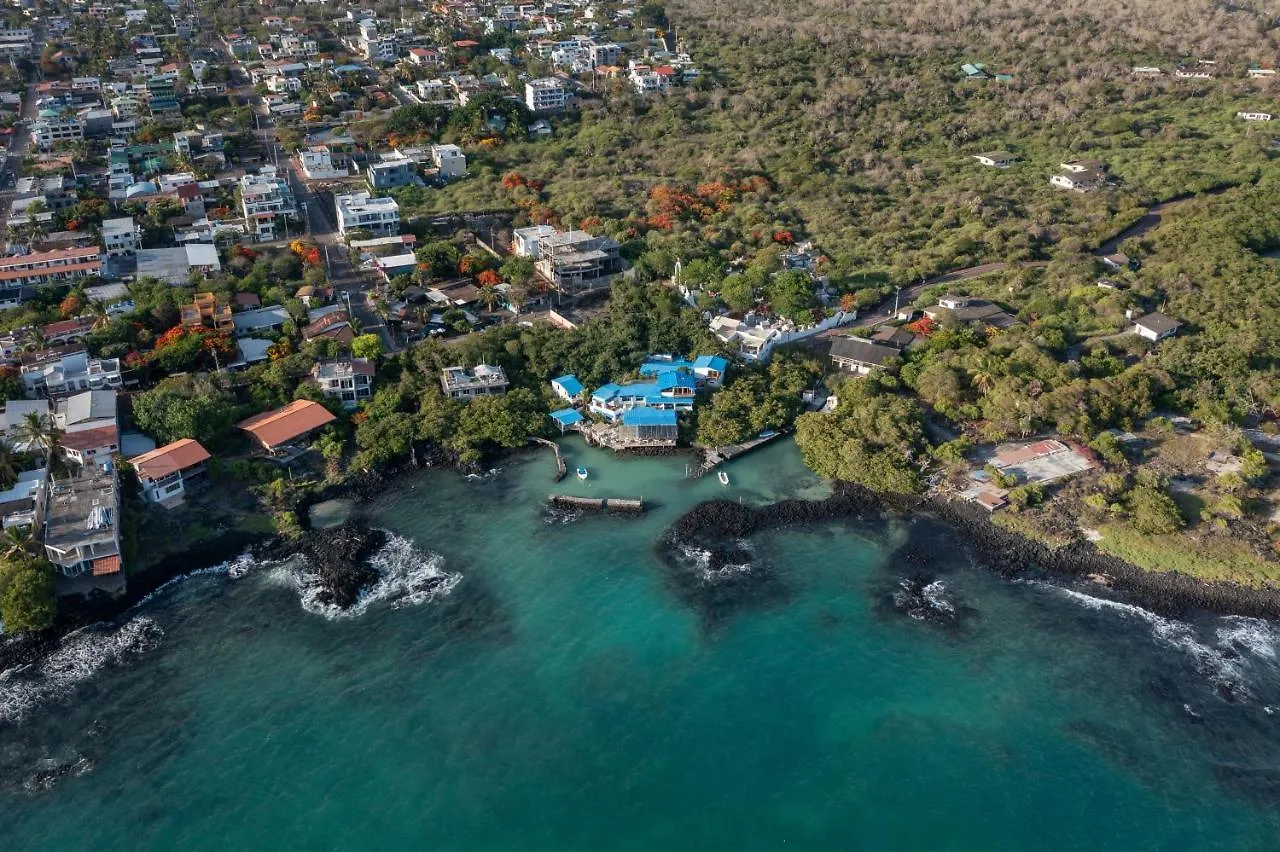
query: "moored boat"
724, 477
582, 473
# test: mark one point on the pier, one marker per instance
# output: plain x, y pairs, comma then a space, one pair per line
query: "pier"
561, 468
714, 456
598, 504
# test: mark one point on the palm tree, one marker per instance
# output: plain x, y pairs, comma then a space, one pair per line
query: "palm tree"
38, 431
98, 310
17, 541
490, 297
36, 340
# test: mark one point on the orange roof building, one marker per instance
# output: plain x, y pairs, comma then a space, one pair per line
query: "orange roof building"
163, 472
298, 419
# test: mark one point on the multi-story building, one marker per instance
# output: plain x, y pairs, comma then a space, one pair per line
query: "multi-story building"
436, 92
361, 211
266, 201
65, 374
575, 260
450, 162
546, 94
50, 267
119, 237
204, 310
484, 380
349, 380
391, 172
56, 130
81, 529
162, 473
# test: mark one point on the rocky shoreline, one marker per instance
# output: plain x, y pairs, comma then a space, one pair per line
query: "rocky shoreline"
709, 525
715, 528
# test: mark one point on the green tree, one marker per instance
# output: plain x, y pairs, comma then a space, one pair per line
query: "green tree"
186, 407
26, 594
1152, 512
791, 295
873, 438
367, 346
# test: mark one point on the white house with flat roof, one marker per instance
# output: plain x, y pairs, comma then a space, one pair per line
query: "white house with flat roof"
450, 162
119, 237
361, 211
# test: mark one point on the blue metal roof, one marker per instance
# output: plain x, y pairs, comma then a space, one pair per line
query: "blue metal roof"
569, 384
648, 417
711, 362
567, 416
658, 366
608, 391
667, 381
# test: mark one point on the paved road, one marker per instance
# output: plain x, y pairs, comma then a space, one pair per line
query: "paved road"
11, 166
359, 288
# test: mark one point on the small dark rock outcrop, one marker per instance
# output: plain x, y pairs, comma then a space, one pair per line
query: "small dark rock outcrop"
924, 598
340, 557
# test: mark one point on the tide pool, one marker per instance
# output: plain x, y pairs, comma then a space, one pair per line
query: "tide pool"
563, 696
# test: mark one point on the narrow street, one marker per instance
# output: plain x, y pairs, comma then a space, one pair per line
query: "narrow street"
357, 288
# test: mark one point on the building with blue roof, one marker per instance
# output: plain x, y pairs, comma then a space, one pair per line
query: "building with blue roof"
672, 391
710, 368
568, 388
566, 418
649, 426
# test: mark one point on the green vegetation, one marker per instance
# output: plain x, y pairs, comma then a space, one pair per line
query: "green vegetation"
757, 399
874, 438
26, 593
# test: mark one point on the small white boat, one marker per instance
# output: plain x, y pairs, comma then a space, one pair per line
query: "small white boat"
724, 477
582, 473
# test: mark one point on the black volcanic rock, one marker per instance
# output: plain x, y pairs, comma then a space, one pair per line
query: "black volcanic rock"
340, 557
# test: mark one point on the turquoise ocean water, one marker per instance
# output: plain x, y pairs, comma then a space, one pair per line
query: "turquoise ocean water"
564, 695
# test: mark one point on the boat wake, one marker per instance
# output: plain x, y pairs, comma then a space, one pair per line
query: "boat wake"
1223, 661
79, 657
406, 577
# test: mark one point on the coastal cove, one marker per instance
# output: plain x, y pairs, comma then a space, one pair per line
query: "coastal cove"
572, 688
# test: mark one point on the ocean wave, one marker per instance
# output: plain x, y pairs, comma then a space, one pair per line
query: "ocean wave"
1250, 635
233, 568
480, 477
1221, 666
701, 561
79, 657
407, 577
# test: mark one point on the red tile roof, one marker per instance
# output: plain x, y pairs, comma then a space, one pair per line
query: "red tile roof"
84, 440
106, 565
284, 424
170, 458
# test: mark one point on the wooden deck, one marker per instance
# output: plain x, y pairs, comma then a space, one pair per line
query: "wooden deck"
599, 435
715, 456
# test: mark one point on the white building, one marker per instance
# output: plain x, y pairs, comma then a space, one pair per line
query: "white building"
524, 241
265, 200
119, 237
546, 94
361, 211
1254, 116
317, 164
49, 132
162, 473
755, 337
450, 161
484, 380
71, 373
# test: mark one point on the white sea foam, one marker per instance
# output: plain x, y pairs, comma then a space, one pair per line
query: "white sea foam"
934, 594
1250, 635
79, 656
479, 477
699, 559
233, 568
1221, 669
407, 577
